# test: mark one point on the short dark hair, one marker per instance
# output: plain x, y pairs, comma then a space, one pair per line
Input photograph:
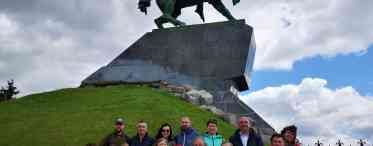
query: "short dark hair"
276, 135
291, 128
142, 121
212, 121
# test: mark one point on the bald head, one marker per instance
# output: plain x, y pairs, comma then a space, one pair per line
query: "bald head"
198, 142
227, 144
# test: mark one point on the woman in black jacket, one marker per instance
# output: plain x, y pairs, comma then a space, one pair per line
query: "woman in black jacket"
165, 131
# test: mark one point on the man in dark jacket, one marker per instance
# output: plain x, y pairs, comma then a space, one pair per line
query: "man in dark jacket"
187, 134
118, 137
142, 138
245, 135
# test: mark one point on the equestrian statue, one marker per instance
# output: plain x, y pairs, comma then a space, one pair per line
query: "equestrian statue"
171, 9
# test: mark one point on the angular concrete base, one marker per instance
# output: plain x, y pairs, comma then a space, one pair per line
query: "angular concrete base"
216, 57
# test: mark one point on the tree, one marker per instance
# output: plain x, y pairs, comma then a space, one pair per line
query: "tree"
318, 143
9, 92
2, 94
361, 142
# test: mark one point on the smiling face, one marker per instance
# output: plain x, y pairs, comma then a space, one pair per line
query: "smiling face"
289, 136
166, 130
119, 127
278, 141
244, 124
142, 128
212, 128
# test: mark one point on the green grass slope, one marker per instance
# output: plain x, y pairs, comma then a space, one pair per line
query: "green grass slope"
74, 117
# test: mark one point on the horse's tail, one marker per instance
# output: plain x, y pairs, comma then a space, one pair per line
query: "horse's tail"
199, 11
235, 2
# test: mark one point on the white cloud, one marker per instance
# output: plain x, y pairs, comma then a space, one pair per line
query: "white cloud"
318, 111
63, 42
87, 34
7, 27
291, 30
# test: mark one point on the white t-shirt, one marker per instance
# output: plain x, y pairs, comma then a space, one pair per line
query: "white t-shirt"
244, 138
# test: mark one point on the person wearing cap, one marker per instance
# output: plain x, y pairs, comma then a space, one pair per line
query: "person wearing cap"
290, 135
118, 137
187, 133
142, 137
211, 137
245, 135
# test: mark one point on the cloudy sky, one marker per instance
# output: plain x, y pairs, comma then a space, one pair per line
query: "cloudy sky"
313, 61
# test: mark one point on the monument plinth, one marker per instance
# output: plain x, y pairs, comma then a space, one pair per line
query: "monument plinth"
196, 55
217, 57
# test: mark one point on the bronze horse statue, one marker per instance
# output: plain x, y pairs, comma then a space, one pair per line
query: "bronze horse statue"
171, 9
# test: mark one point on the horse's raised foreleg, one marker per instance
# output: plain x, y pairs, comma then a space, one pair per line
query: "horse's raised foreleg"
218, 5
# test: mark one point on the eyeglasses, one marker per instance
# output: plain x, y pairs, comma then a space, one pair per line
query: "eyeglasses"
165, 130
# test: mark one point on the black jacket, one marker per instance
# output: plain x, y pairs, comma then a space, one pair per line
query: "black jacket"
113, 139
147, 141
254, 139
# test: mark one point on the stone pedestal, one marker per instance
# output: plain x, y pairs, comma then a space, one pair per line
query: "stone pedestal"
217, 57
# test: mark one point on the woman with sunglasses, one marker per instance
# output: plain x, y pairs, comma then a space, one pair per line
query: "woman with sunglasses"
165, 131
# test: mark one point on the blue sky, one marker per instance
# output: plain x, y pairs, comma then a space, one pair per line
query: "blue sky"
354, 70
337, 89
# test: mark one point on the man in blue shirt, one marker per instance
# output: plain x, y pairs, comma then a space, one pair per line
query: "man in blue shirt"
187, 133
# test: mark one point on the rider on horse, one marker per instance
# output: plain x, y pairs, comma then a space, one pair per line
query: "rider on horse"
171, 9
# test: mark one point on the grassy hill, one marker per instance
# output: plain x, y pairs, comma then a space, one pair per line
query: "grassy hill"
74, 117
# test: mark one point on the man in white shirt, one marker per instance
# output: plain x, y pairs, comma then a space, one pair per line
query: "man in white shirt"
245, 135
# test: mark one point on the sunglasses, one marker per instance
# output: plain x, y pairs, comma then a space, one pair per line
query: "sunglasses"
165, 130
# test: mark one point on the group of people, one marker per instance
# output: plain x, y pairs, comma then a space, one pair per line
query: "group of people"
245, 135
288, 137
